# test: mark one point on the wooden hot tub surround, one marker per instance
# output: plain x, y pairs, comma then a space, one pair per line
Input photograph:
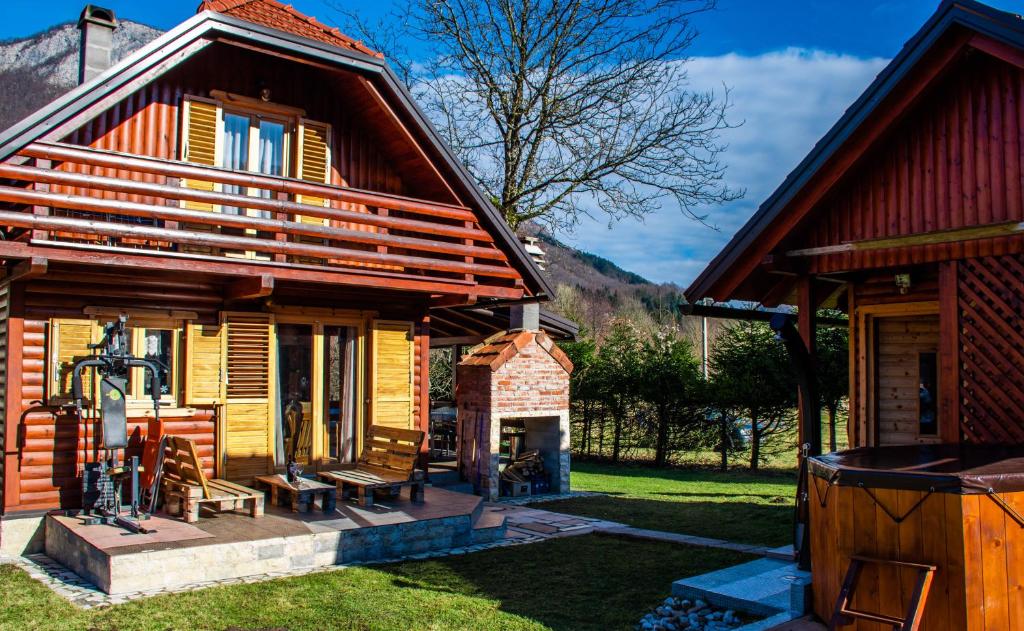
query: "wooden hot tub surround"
956, 507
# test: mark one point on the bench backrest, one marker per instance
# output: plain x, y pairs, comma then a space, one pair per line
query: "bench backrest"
182, 463
391, 448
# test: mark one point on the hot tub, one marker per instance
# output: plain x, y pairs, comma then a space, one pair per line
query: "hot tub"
956, 507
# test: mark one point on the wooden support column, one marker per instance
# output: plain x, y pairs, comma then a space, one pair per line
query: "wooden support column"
949, 353
424, 393
14, 404
809, 409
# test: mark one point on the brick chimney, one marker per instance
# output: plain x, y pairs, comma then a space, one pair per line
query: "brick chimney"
97, 25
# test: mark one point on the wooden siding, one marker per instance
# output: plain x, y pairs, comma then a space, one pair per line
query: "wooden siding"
953, 161
965, 536
991, 295
148, 122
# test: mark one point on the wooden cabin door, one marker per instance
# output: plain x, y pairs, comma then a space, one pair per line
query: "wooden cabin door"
907, 369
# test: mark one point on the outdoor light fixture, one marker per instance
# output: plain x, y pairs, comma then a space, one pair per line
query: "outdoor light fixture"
903, 283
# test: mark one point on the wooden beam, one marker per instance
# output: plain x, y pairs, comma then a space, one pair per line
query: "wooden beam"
250, 288
175, 168
954, 235
810, 410
274, 205
29, 268
131, 258
465, 340
231, 242
949, 353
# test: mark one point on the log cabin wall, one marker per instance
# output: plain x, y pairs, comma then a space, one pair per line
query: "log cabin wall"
43, 468
953, 161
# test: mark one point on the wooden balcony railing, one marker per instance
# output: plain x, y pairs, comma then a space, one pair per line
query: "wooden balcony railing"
62, 192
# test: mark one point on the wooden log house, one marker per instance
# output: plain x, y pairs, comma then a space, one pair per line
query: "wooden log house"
260, 195
909, 216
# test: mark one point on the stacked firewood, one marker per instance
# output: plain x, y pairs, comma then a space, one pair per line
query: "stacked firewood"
524, 467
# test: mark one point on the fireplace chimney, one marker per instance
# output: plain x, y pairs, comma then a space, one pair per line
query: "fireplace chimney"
97, 25
524, 317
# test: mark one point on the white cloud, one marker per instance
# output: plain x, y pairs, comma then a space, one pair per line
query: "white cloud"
788, 100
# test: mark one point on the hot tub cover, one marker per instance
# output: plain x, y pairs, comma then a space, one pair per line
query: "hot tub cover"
962, 469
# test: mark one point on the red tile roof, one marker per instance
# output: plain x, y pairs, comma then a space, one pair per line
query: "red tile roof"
284, 17
501, 347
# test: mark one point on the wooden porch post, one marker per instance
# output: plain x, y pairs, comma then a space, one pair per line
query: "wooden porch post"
949, 353
424, 393
809, 410
14, 403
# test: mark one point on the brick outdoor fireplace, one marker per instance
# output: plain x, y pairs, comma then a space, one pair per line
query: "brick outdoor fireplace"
514, 387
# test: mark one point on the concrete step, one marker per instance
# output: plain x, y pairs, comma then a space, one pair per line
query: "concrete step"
488, 525
773, 588
445, 478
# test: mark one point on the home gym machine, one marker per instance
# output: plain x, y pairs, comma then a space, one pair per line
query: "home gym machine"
103, 481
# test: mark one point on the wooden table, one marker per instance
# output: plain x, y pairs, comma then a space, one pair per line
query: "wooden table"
301, 493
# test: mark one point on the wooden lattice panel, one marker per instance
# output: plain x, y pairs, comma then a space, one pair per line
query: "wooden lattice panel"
991, 303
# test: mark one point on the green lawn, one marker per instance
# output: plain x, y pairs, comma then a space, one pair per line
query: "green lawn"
736, 506
586, 582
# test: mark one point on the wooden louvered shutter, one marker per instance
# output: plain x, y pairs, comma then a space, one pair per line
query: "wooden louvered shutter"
314, 162
204, 372
248, 427
69, 341
392, 370
200, 134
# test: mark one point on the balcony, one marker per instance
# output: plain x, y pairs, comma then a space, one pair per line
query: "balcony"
65, 197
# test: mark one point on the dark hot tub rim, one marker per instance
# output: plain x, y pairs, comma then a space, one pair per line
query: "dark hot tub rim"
941, 468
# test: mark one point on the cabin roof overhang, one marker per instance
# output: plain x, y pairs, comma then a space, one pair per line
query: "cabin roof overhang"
207, 27
746, 268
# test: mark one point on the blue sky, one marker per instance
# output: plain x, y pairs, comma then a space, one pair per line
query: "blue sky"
793, 68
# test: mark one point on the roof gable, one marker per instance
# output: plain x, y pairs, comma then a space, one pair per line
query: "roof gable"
139, 69
282, 17
955, 26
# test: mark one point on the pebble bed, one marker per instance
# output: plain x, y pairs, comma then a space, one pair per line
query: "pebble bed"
681, 614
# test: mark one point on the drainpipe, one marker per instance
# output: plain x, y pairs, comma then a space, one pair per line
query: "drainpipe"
97, 44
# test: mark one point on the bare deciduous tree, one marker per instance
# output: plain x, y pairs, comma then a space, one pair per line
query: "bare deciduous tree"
564, 107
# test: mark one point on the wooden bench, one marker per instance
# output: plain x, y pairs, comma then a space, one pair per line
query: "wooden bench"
301, 494
186, 488
388, 461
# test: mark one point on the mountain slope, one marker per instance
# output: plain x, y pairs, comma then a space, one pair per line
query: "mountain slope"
41, 67
591, 289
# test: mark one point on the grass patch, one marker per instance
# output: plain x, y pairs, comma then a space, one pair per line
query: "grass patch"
587, 582
734, 505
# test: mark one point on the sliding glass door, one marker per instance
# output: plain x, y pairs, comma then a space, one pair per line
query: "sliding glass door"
318, 393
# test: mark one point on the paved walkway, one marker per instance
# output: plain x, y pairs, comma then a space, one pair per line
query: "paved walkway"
535, 521
525, 524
